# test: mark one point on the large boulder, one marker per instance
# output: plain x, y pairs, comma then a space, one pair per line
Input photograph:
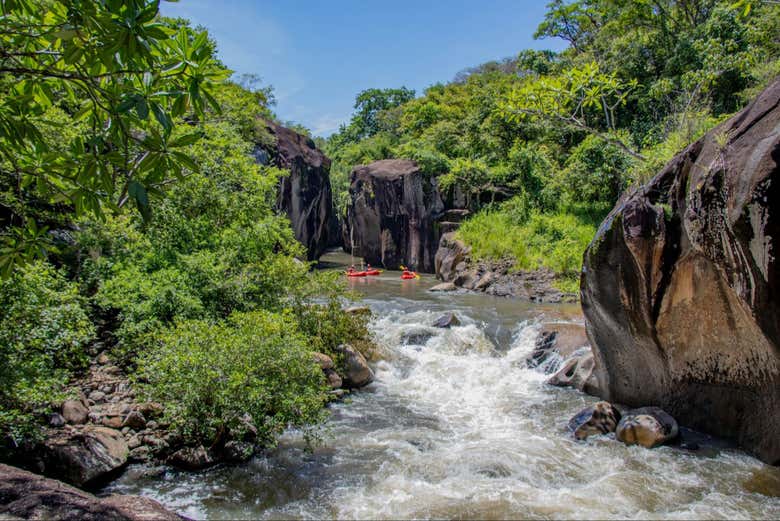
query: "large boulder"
681, 285
25, 495
392, 215
82, 455
304, 195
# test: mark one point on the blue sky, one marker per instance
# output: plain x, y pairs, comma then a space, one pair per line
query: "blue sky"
319, 54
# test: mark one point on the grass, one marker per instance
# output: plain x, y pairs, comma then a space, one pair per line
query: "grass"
551, 240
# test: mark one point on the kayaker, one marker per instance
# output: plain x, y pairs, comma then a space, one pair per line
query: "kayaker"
351, 269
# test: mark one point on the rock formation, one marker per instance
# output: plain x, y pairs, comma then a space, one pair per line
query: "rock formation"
304, 195
680, 286
24, 495
392, 215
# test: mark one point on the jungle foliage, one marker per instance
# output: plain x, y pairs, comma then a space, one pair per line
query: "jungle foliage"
565, 134
135, 221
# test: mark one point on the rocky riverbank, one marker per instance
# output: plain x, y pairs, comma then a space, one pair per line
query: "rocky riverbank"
457, 270
106, 425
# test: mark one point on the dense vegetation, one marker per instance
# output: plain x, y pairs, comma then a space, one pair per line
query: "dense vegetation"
543, 144
134, 218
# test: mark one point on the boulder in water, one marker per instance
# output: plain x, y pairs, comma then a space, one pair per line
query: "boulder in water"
597, 419
556, 341
24, 495
451, 257
577, 372
357, 373
80, 456
416, 336
646, 426
681, 285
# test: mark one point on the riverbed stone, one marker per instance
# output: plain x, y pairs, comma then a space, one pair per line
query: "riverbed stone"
646, 426
324, 361
597, 419
97, 396
357, 372
556, 341
135, 420
334, 380
75, 412
192, 458
80, 456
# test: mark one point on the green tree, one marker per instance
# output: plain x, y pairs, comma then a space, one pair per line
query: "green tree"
369, 104
119, 72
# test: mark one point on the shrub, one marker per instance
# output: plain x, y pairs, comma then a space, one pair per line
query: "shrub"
208, 376
44, 333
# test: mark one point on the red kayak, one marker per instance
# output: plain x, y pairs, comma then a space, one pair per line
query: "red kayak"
372, 273
356, 274
408, 275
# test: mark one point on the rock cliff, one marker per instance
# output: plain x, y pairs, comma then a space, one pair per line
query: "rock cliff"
304, 195
392, 215
680, 285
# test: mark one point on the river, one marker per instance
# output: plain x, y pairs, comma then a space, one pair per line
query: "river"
457, 427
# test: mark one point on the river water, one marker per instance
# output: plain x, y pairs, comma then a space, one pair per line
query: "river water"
455, 426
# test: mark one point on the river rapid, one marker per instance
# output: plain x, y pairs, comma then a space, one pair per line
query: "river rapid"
455, 426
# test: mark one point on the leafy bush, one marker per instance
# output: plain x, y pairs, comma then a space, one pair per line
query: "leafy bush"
44, 333
208, 376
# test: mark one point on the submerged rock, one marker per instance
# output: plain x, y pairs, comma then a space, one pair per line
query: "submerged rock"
443, 287
80, 456
447, 321
25, 495
416, 336
597, 419
681, 285
646, 426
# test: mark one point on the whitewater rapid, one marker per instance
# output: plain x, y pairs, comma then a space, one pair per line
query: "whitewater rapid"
456, 426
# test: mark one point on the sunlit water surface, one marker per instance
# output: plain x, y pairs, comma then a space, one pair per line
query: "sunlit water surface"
458, 427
